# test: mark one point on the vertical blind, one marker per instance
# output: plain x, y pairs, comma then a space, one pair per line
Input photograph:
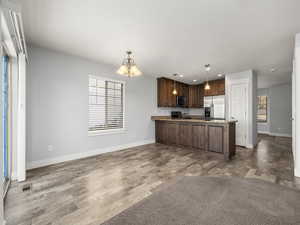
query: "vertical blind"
106, 104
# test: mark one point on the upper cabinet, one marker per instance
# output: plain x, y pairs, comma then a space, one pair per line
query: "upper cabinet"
165, 98
165, 87
217, 87
194, 93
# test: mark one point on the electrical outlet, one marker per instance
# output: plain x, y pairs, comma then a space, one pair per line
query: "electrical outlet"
50, 148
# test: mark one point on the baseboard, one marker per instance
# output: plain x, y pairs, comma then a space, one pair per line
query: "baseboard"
296, 172
263, 132
47, 162
14, 176
275, 134
249, 146
280, 135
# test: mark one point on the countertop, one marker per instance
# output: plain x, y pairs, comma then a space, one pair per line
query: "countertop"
192, 120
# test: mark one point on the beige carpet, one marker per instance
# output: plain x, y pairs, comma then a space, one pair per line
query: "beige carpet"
215, 201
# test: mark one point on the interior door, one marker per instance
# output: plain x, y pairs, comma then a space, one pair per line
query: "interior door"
293, 109
238, 111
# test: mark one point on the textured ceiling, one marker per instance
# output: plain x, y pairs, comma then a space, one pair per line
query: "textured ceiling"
172, 36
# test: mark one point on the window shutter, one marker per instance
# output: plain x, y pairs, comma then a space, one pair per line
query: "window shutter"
106, 104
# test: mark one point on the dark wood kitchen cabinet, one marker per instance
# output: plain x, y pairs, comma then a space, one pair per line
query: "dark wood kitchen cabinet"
166, 133
199, 136
209, 136
185, 134
165, 98
215, 139
196, 94
165, 87
217, 87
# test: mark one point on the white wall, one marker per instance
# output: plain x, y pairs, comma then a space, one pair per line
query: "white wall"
297, 107
281, 110
57, 110
251, 79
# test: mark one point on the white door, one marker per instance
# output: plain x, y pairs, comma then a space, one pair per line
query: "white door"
293, 109
238, 111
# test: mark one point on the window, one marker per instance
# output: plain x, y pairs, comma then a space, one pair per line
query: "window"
262, 107
106, 105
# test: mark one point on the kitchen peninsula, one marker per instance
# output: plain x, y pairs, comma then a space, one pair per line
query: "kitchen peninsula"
212, 135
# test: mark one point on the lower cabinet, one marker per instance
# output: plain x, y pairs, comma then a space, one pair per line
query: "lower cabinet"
185, 135
218, 138
215, 139
199, 136
165, 132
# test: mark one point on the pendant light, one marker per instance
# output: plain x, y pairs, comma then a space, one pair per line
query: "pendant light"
128, 67
174, 92
207, 69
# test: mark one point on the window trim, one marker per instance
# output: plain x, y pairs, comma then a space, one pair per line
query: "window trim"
267, 108
108, 131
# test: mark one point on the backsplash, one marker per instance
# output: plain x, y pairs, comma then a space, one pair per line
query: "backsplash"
164, 111
196, 112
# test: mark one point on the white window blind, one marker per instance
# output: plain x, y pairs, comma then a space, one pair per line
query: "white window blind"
106, 104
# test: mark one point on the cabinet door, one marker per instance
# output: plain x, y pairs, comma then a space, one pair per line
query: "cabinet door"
191, 96
161, 132
162, 92
198, 136
201, 95
185, 134
221, 87
172, 133
215, 139
169, 90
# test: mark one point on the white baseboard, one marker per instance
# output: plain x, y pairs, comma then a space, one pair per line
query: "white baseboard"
263, 132
280, 135
47, 162
275, 134
296, 172
13, 176
249, 146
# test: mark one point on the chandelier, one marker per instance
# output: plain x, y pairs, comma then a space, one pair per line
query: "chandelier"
128, 67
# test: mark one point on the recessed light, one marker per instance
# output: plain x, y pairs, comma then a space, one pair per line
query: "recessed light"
180, 75
220, 75
194, 80
273, 70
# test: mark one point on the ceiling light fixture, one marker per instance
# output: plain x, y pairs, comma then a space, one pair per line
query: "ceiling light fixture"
220, 75
180, 75
194, 80
174, 92
207, 69
128, 67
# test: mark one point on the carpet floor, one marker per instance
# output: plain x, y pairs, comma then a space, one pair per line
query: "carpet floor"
215, 201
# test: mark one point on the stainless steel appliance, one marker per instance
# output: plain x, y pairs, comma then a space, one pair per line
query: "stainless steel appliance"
181, 101
214, 107
176, 115
207, 112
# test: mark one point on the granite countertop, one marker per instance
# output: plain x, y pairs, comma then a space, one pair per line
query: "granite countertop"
192, 120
